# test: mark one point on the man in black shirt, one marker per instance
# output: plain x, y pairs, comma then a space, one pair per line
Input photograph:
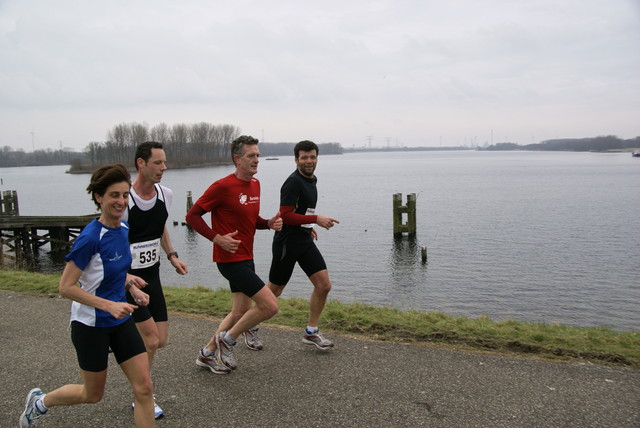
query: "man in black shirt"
294, 243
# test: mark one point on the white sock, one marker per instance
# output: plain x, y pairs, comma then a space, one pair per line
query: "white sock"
230, 340
312, 330
205, 352
40, 404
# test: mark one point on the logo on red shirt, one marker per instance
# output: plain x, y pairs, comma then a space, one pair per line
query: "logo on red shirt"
246, 200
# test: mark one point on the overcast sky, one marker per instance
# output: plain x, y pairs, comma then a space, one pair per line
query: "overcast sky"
385, 72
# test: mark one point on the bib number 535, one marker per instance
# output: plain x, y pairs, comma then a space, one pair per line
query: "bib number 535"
145, 254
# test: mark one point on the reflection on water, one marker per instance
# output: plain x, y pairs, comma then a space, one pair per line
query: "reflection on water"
46, 261
406, 266
406, 252
191, 236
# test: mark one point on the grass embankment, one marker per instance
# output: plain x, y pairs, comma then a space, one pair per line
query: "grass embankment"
558, 342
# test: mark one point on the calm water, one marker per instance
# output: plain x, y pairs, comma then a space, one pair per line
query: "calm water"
532, 236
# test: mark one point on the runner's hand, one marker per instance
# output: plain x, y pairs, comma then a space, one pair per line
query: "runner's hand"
275, 223
136, 280
326, 222
179, 265
227, 242
141, 298
120, 310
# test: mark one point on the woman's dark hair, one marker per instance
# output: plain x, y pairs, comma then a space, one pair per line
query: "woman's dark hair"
104, 177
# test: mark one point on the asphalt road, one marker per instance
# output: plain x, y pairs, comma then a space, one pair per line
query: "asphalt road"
357, 384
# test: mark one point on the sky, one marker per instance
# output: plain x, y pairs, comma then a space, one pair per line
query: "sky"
358, 72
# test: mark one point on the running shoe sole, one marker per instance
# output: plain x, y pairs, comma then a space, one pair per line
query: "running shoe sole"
311, 342
207, 366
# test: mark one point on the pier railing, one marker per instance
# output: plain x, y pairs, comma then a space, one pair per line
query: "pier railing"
21, 237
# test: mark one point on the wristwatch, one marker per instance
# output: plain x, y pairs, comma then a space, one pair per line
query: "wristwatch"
171, 254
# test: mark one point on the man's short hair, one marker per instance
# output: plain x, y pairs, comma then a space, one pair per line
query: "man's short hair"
237, 145
305, 146
143, 151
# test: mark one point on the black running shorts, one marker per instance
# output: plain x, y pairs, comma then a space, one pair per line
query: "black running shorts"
242, 277
92, 344
300, 249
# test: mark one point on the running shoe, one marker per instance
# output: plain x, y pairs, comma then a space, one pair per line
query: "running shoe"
318, 340
252, 340
224, 351
29, 418
157, 411
212, 363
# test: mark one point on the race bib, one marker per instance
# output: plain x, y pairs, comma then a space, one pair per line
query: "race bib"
145, 254
310, 211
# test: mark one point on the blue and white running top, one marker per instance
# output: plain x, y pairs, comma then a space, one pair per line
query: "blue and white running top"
103, 255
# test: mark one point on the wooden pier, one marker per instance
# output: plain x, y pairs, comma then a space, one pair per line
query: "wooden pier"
21, 237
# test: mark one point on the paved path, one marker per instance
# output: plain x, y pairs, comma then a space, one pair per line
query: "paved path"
289, 384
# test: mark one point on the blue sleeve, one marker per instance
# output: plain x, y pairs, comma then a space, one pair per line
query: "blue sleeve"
82, 251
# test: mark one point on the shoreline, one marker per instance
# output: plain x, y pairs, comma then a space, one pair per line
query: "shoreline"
557, 343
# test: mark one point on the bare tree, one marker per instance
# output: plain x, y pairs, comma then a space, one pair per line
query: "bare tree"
228, 133
139, 134
117, 143
179, 137
94, 152
201, 143
200, 137
160, 133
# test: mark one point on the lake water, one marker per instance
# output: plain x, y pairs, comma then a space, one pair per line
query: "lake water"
548, 237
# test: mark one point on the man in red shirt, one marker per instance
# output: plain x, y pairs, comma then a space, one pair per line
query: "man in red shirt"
234, 204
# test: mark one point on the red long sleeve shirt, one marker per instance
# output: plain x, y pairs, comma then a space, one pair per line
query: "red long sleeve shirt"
234, 204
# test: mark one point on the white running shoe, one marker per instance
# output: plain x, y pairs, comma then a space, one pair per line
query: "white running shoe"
157, 411
212, 363
252, 340
224, 351
29, 418
318, 340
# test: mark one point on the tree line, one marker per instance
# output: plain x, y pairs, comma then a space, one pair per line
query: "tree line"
186, 145
13, 158
597, 144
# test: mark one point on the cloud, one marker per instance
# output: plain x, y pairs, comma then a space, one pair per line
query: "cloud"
408, 70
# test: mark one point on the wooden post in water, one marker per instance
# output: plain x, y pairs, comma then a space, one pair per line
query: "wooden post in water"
398, 210
397, 215
59, 240
189, 200
189, 205
411, 213
9, 203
